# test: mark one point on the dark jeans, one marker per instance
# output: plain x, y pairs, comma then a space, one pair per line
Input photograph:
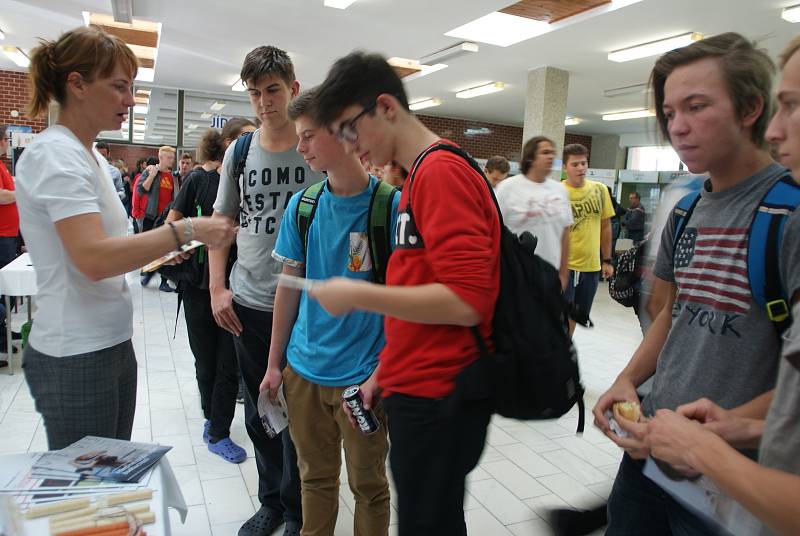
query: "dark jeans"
637, 505
635, 235
85, 394
433, 448
276, 460
581, 288
214, 361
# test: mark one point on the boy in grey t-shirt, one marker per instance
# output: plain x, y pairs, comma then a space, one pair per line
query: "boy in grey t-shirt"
273, 173
711, 339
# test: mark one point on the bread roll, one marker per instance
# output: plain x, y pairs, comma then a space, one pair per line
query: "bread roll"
629, 410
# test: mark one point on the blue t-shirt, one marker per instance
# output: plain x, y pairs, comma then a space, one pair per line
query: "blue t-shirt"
327, 350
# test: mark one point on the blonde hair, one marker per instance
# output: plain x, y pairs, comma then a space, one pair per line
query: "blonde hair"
88, 51
788, 52
166, 149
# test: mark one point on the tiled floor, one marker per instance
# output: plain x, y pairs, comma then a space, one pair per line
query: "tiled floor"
527, 467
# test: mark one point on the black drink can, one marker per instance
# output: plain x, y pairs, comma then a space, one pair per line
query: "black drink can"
365, 418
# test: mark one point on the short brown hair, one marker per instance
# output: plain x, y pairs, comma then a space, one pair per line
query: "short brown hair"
529, 151
788, 52
211, 147
184, 156
499, 163
575, 149
747, 70
233, 128
266, 60
303, 105
89, 51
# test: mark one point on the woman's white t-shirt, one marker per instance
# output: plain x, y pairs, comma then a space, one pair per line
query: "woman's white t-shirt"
542, 208
57, 178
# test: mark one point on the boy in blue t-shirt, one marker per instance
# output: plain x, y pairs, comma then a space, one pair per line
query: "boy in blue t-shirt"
324, 354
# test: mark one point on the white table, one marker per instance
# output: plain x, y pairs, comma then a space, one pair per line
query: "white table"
17, 278
166, 494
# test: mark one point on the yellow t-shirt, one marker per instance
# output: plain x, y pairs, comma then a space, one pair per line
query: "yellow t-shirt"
590, 205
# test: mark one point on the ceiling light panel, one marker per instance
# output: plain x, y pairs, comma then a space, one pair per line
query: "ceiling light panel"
634, 114
16, 55
791, 14
500, 29
654, 48
424, 103
217, 106
485, 89
571, 121
339, 4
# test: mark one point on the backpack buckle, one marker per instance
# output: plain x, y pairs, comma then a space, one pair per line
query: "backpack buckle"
778, 310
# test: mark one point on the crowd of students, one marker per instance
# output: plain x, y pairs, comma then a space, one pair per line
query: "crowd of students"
295, 196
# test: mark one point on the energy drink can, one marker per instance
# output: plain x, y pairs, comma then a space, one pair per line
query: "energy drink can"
365, 418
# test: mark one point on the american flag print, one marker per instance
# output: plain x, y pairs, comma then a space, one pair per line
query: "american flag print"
711, 268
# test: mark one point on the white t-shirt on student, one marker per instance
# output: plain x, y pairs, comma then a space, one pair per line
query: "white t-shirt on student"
541, 208
57, 178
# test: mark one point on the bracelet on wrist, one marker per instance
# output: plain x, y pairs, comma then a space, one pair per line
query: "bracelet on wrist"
175, 235
608, 261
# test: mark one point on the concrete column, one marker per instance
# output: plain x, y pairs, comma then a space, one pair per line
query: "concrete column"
546, 105
606, 152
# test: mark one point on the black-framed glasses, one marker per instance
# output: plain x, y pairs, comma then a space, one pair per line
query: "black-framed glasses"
347, 130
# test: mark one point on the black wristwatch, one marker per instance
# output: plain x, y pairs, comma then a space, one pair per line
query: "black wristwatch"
608, 261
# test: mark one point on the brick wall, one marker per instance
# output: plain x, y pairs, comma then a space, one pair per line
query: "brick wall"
131, 153
503, 140
14, 92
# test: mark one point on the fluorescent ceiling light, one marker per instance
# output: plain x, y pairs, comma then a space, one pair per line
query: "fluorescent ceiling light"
791, 14
449, 53
17, 56
140, 109
635, 114
485, 89
424, 103
145, 74
571, 121
654, 48
339, 4
239, 86
191, 126
217, 106
425, 70
500, 29
206, 115
635, 89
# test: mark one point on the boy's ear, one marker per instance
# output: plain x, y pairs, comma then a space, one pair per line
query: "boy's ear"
389, 104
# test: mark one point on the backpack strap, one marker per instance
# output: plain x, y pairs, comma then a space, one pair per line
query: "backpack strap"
240, 152
306, 209
763, 250
681, 214
379, 229
202, 176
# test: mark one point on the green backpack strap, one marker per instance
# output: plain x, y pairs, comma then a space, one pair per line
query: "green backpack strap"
379, 231
306, 209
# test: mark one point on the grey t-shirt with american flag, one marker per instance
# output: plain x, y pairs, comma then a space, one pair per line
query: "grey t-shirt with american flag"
722, 345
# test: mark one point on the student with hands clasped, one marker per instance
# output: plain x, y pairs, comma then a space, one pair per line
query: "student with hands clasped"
704, 437
713, 338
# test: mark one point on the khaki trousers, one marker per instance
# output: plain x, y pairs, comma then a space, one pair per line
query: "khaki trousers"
319, 426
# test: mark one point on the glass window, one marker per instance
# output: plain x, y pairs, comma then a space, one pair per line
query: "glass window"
202, 111
654, 158
154, 117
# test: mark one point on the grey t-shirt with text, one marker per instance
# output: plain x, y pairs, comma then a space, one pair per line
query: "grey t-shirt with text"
260, 196
722, 345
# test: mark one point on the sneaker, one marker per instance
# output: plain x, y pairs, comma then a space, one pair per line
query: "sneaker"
263, 523
146, 277
164, 286
566, 522
206, 428
228, 450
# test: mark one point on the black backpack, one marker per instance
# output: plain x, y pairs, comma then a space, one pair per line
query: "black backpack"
533, 371
624, 286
